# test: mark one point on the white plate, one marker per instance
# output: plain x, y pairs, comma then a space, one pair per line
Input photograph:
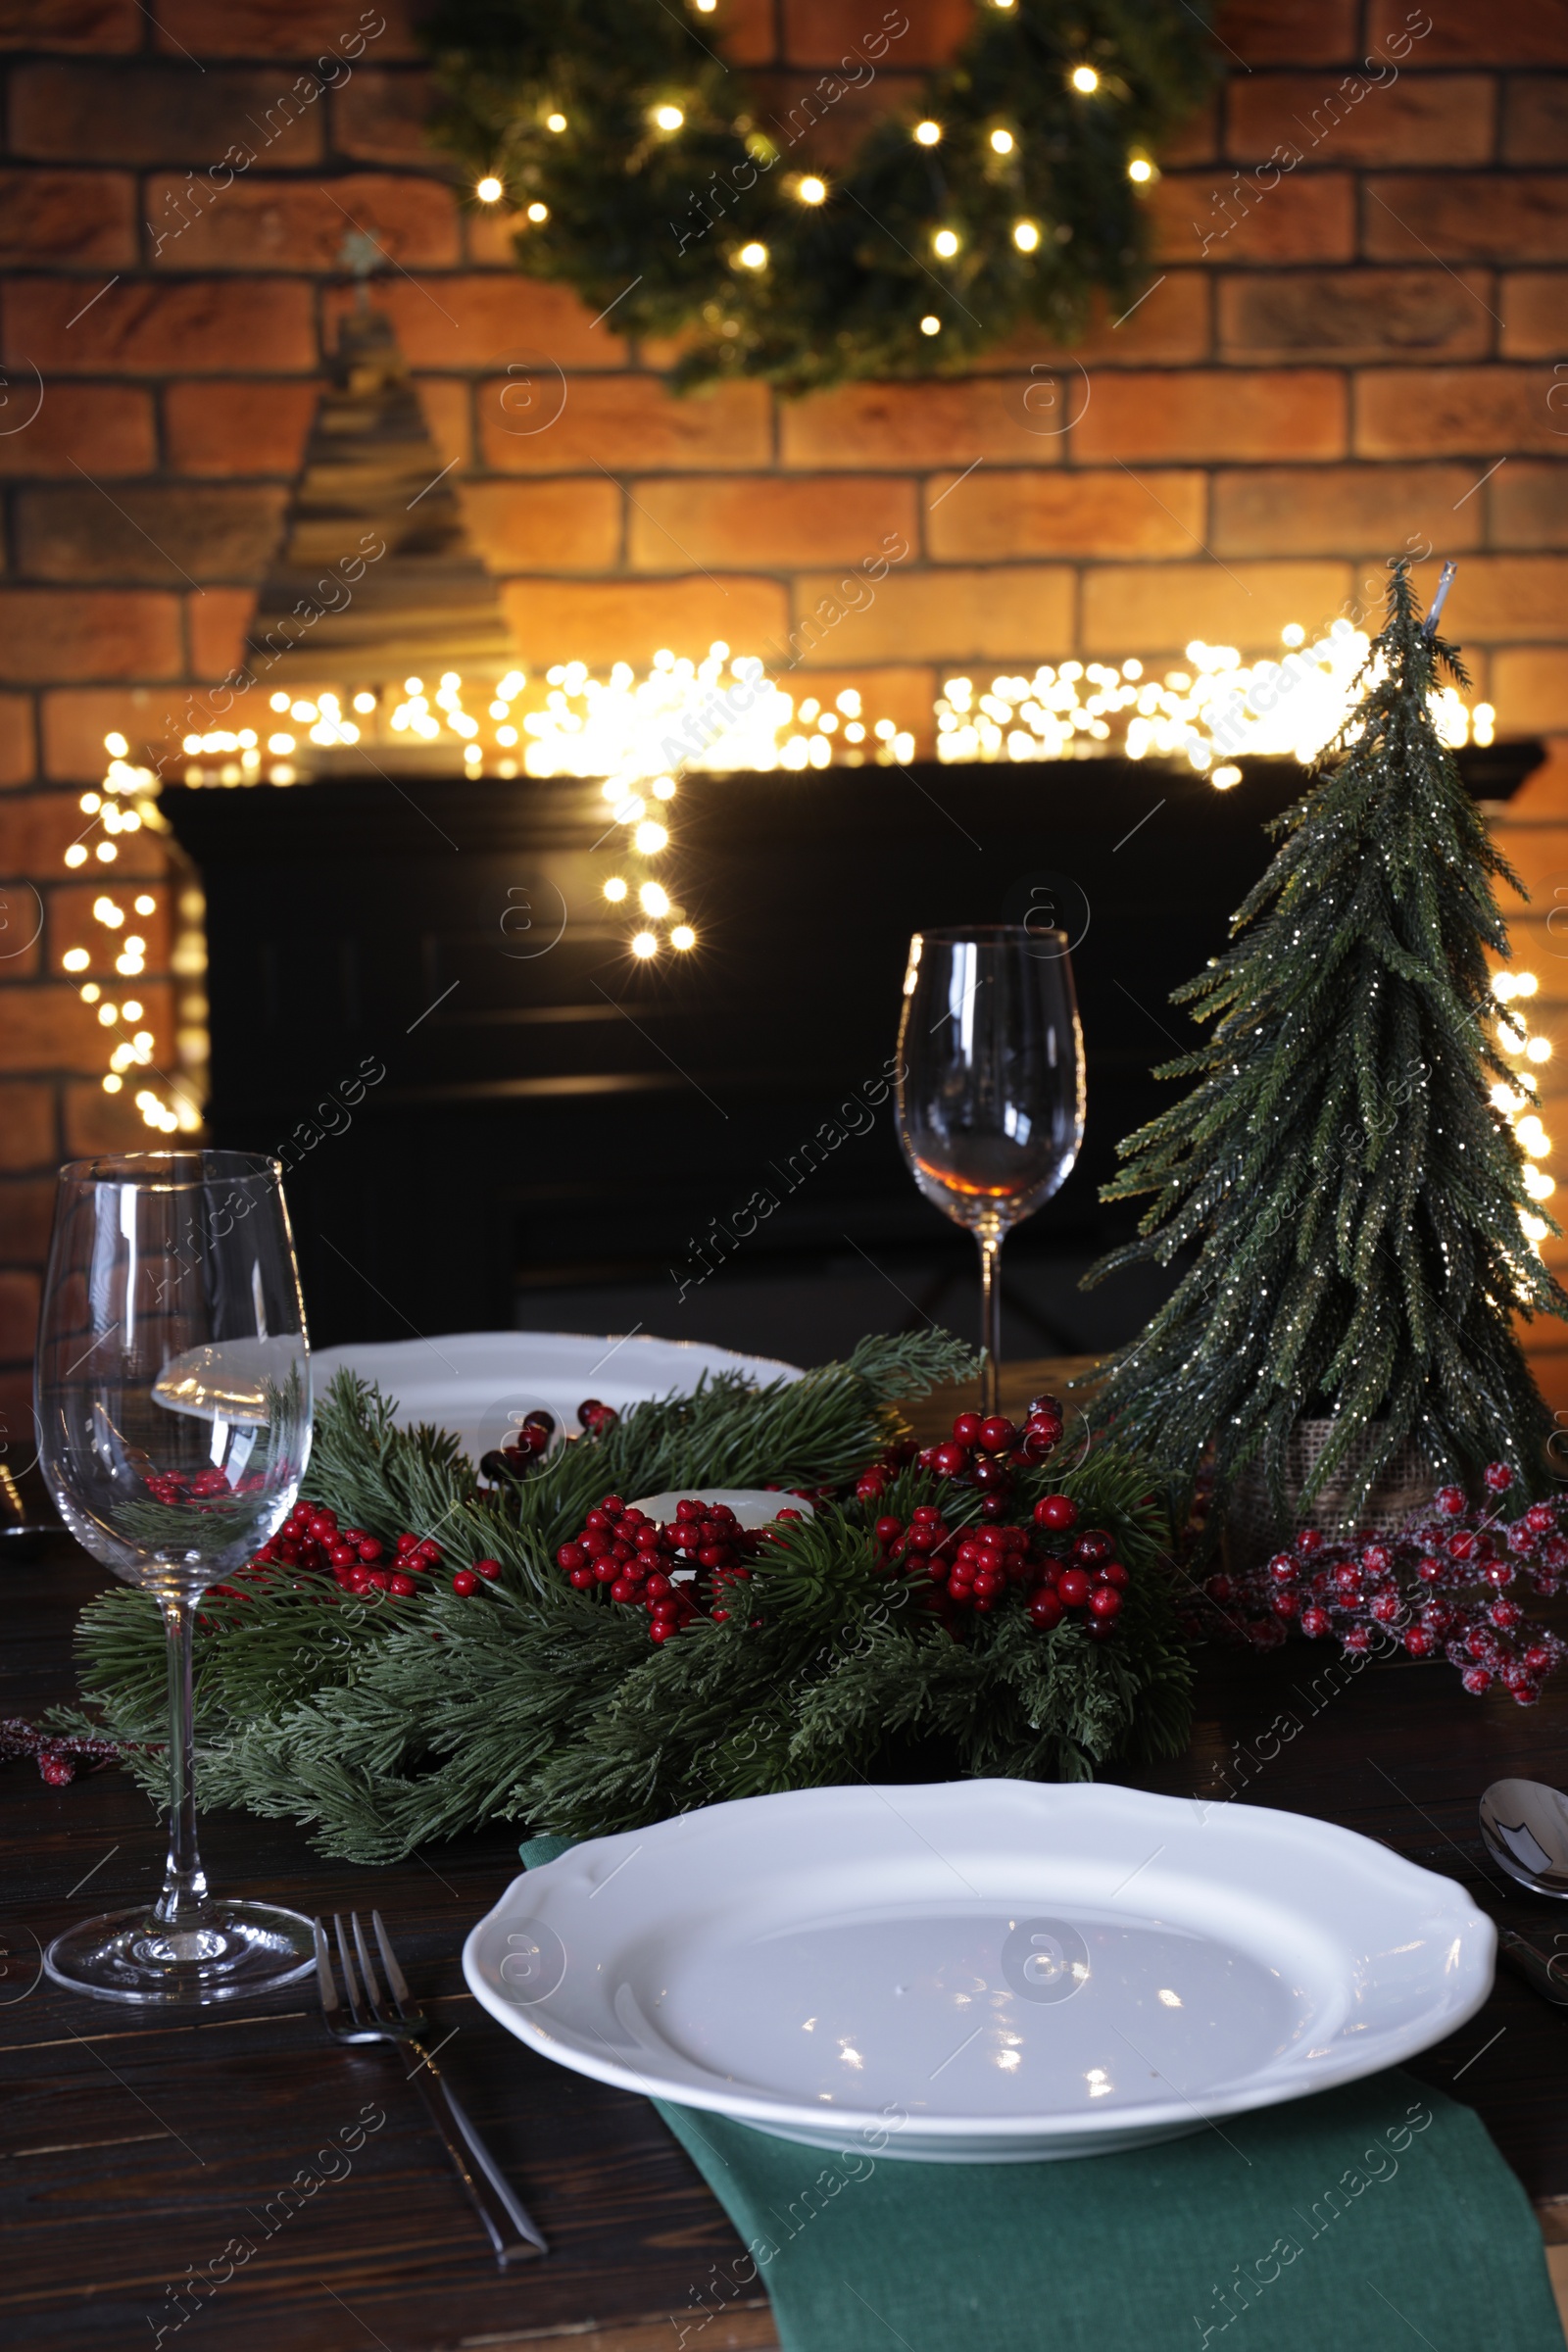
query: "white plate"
981, 1970
481, 1383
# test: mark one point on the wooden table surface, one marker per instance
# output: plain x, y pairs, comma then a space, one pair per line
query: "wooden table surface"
137, 2150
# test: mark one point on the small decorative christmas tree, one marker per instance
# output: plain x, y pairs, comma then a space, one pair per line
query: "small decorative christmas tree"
1351, 1192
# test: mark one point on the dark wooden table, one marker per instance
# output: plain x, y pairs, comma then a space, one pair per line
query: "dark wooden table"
136, 2150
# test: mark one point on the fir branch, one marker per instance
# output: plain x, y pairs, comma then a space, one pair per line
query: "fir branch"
382, 1726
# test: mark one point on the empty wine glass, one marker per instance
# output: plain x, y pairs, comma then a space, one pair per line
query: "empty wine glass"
990, 1087
173, 1398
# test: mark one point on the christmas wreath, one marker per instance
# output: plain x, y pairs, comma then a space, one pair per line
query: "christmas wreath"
589, 1666
643, 172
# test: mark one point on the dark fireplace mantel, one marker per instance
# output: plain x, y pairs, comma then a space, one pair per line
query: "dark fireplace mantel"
422, 999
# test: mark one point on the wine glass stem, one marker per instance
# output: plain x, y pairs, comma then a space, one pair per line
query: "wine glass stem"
990, 1317
184, 1901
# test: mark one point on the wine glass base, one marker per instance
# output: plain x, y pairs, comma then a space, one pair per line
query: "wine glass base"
239, 1950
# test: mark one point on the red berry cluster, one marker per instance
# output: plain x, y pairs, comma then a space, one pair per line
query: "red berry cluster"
977, 1567
686, 1568
310, 1537
532, 1439
59, 1756
987, 1452
202, 1485
528, 1447
1438, 1585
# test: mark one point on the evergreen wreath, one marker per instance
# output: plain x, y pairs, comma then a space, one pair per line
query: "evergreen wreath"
644, 174
1342, 1170
386, 1722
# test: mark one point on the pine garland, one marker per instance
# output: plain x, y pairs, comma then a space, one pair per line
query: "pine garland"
559, 100
383, 1725
1352, 1195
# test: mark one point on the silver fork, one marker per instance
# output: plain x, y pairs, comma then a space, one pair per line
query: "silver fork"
513, 2233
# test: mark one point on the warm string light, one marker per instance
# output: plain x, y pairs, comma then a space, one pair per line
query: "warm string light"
127, 803
722, 715
1220, 709
1517, 1100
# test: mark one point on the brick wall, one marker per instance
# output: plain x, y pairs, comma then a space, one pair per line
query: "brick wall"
1331, 361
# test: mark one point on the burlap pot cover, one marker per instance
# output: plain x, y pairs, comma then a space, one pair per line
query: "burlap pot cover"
1404, 1488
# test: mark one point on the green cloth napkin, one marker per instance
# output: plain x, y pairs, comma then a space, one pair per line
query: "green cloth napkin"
1366, 2219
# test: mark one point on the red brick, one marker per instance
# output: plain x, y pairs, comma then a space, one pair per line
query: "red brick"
22, 922
1544, 795
74, 725
1534, 119
818, 33
489, 233
216, 624
1001, 515
916, 427
1214, 414
747, 32
448, 406
1529, 689
36, 828
382, 118
93, 24
219, 426
1520, 32
156, 537
19, 1303
602, 621
342, 30
1339, 509
300, 225
105, 428
1195, 140
47, 1027
1460, 411
1468, 216
1355, 313
1528, 503
768, 522
18, 1428
206, 325
1009, 612
1419, 119
1289, 33
26, 1124
96, 1122
562, 525
86, 217
19, 756
142, 113
55, 635
1170, 324
1150, 607
1217, 217
1534, 304
1518, 599
604, 417
27, 1219
480, 322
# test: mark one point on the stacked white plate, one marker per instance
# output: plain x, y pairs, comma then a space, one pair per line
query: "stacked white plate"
984, 1970
481, 1384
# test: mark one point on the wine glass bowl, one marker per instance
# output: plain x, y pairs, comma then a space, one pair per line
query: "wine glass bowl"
174, 1404
991, 1085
